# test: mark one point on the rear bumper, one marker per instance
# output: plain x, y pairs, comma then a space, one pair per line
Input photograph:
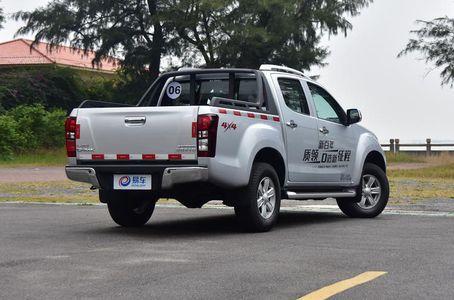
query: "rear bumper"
166, 177
175, 176
87, 175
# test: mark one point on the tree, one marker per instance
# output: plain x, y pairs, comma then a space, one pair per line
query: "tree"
213, 33
131, 28
248, 33
2, 18
435, 40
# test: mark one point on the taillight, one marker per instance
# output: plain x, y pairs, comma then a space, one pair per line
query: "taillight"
72, 130
207, 129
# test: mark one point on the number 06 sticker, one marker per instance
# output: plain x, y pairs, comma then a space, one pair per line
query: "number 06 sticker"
174, 90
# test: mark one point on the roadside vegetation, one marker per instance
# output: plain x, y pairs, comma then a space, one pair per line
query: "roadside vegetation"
440, 171
415, 180
34, 103
402, 157
418, 178
50, 192
25, 129
36, 158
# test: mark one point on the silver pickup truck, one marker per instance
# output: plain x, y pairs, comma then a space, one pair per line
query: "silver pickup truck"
247, 137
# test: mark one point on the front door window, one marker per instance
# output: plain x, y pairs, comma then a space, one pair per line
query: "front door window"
326, 107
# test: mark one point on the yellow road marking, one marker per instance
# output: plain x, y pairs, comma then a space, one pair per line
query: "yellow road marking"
339, 287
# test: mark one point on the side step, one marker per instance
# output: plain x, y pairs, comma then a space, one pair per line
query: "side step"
320, 195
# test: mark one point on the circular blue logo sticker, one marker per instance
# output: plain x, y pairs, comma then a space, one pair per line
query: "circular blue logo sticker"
124, 181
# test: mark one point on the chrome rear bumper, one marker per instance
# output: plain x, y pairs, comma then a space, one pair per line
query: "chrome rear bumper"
87, 175
170, 178
175, 176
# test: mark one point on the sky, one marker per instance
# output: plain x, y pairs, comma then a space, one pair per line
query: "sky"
399, 97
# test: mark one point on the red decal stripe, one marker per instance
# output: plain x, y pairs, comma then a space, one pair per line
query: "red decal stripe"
263, 117
194, 129
223, 111
148, 156
250, 115
237, 113
276, 119
97, 156
175, 156
123, 156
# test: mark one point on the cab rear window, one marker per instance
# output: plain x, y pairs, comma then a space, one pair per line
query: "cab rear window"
178, 92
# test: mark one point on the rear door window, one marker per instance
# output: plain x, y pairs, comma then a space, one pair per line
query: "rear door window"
293, 94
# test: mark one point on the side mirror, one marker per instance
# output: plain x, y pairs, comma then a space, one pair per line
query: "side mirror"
353, 116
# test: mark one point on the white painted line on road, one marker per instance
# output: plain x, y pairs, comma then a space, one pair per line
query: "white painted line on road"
297, 208
388, 211
341, 286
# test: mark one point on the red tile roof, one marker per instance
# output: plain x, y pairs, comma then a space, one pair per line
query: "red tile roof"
18, 52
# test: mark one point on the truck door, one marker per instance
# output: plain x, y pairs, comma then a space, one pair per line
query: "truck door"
301, 131
337, 142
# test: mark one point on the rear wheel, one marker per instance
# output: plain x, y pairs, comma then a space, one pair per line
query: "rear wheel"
372, 197
259, 207
129, 209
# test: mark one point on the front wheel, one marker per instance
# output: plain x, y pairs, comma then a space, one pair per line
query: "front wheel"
372, 197
129, 209
259, 207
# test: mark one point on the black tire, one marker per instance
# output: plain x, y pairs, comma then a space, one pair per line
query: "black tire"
247, 209
129, 209
352, 206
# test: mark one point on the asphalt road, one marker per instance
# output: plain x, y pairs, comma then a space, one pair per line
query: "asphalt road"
60, 252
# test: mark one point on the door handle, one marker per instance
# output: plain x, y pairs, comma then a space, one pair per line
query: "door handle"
324, 130
135, 121
291, 124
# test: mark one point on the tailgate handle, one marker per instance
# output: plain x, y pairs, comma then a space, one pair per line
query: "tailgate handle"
135, 121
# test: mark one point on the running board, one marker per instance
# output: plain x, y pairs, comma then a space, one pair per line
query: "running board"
324, 195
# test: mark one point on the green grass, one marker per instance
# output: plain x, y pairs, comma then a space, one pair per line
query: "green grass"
39, 158
45, 157
411, 191
53, 192
412, 185
433, 172
435, 180
56, 191
404, 158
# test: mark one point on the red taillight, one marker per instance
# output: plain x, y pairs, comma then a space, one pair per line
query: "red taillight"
207, 129
72, 134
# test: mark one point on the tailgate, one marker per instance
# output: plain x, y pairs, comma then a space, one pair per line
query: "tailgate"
137, 133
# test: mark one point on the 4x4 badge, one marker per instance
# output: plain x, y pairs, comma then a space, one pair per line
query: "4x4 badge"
228, 126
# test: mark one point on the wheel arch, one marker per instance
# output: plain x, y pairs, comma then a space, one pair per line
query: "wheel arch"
376, 158
274, 158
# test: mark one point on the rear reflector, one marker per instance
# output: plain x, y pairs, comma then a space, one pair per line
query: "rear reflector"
123, 156
71, 148
97, 156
